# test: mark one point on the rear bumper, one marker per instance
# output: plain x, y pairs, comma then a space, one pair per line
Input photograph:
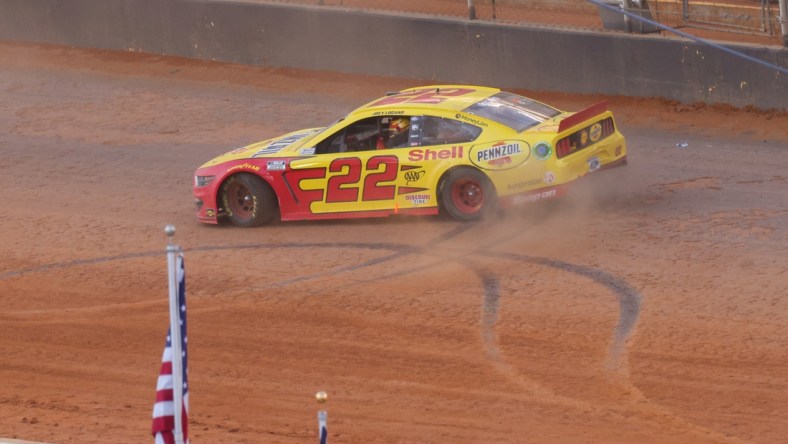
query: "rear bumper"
616, 163
552, 192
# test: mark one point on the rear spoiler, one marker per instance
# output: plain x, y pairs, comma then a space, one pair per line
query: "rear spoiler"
583, 115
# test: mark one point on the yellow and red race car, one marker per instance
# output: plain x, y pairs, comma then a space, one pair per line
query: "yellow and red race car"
461, 150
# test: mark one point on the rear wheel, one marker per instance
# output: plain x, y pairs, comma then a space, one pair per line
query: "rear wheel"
248, 201
466, 194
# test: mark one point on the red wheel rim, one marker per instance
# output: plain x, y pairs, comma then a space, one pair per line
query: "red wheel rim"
467, 195
240, 200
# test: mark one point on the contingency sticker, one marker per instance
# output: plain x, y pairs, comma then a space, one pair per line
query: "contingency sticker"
278, 144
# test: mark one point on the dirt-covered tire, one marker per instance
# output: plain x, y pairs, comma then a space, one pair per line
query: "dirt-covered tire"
248, 201
466, 194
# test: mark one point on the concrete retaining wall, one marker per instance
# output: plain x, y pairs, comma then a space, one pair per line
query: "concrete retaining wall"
425, 48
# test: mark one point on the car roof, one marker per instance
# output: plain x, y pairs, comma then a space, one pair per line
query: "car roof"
445, 100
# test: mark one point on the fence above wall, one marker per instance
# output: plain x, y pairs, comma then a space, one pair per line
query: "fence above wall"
751, 21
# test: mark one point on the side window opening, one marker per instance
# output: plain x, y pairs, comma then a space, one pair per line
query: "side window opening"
516, 112
439, 131
372, 133
357, 136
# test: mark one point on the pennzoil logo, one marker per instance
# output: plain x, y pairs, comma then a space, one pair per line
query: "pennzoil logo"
500, 150
595, 132
500, 155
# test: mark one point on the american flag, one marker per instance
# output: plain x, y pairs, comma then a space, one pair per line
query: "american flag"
164, 410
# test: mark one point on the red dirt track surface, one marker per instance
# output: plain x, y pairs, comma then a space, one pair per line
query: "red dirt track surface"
648, 306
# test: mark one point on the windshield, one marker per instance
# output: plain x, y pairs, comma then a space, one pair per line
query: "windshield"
516, 112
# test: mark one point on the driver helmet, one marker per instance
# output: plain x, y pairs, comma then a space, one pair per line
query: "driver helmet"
398, 125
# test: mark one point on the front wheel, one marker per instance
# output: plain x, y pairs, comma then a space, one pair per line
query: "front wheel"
466, 194
248, 201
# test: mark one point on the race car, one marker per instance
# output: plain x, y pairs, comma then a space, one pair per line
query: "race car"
463, 151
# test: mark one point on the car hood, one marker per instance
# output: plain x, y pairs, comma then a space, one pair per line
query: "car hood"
282, 146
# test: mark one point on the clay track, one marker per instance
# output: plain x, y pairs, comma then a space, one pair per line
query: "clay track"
647, 306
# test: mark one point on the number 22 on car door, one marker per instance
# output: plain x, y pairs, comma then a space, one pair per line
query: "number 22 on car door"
365, 178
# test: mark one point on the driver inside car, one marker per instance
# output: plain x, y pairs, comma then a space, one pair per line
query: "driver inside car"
398, 132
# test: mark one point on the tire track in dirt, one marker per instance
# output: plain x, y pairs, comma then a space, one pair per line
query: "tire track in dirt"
78, 262
629, 301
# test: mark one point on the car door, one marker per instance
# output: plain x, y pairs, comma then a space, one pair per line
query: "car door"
348, 173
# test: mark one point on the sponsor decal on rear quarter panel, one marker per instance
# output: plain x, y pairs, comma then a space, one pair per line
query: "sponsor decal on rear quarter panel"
500, 155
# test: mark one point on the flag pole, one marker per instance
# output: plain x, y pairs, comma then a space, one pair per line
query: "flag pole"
175, 334
322, 417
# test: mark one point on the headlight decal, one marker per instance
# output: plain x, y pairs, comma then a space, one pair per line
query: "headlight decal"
201, 181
